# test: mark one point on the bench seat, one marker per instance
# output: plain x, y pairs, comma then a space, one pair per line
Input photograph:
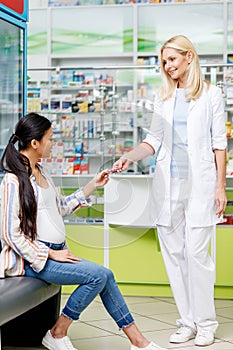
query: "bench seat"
28, 308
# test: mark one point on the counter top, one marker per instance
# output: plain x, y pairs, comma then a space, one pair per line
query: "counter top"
132, 176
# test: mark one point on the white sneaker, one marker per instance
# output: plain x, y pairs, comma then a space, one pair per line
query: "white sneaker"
204, 337
151, 346
57, 343
182, 335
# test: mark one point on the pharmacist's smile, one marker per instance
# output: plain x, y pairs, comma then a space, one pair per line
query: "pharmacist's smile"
171, 72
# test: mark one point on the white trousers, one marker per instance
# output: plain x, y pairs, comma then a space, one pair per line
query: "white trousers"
190, 268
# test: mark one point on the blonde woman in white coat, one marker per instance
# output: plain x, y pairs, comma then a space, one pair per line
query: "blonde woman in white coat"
188, 129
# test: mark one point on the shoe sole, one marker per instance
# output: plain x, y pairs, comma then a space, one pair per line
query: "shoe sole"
202, 345
181, 341
47, 345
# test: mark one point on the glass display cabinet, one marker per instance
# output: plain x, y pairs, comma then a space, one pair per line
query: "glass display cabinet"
13, 32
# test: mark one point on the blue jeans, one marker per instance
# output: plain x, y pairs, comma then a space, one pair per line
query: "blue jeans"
93, 279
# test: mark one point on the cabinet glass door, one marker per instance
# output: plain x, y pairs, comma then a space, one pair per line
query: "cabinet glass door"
11, 71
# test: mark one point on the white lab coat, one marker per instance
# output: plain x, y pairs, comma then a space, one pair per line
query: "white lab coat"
205, 132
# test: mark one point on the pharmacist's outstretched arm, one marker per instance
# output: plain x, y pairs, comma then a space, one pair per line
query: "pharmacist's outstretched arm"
99, 180
141, 151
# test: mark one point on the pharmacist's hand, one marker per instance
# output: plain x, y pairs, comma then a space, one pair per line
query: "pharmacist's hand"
221, 201
120, 165
101, 178
63, 255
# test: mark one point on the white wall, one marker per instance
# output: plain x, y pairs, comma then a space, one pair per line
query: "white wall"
37, 3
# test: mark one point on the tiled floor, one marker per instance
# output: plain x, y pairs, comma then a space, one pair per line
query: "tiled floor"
154, 316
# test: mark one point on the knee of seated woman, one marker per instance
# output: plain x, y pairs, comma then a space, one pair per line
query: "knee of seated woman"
98, 273
106, 272
109, 274
105, 275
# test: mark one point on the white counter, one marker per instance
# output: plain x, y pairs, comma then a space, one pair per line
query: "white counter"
127, 200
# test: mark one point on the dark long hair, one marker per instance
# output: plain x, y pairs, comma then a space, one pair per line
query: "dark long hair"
32, 126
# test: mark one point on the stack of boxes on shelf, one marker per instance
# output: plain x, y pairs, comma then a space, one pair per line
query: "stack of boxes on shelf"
105, 2
75, 117
68, 155
58, 164
84, 100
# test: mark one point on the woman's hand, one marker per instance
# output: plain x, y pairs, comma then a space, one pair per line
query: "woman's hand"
120, 165
221, 201
101, 178
63, 256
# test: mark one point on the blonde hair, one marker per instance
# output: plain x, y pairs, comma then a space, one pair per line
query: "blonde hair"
194, 85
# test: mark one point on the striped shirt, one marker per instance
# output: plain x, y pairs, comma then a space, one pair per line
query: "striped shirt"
16, 247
